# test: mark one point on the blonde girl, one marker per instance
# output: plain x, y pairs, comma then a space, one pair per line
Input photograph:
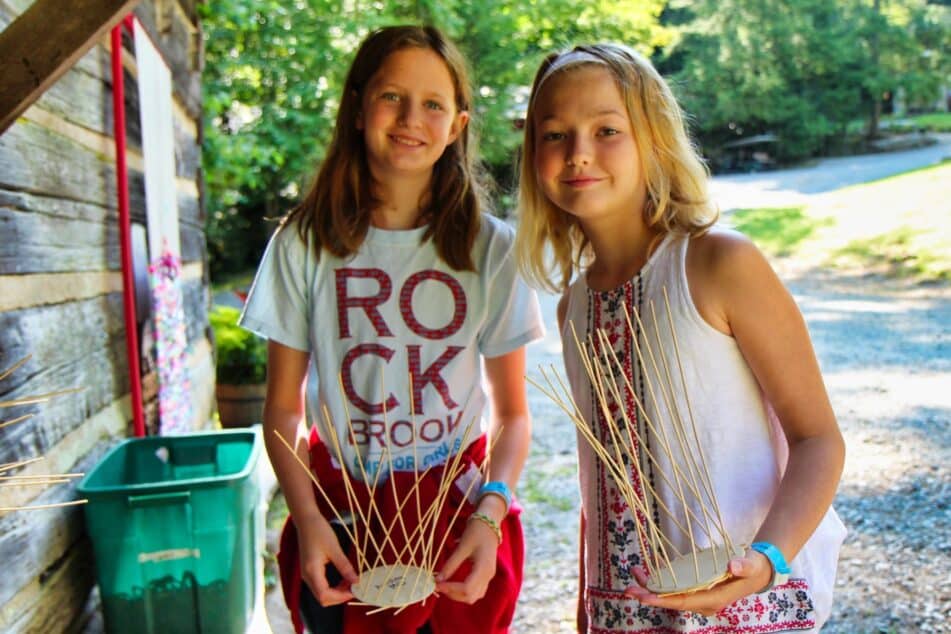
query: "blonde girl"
614, 211
391, 286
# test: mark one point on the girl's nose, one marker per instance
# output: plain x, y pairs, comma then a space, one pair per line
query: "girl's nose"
409, 113
579, 154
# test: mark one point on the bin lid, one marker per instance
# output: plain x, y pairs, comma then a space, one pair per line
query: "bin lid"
164, 462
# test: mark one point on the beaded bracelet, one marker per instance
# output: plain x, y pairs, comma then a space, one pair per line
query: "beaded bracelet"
491, 523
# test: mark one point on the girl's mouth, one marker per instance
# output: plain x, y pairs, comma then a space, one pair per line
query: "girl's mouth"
407, 141
581, 181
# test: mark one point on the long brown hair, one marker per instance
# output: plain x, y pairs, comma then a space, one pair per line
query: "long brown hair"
336, 210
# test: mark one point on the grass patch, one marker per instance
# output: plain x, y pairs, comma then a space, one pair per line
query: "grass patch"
894, 255
777, 230
933, 121
898, 226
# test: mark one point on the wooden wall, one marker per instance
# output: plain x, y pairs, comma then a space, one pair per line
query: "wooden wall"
61, 301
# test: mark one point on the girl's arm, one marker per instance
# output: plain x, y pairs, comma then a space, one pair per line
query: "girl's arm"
284, 413
737, 292
511, 427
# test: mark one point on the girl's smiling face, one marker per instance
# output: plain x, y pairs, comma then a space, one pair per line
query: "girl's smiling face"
408, 114
586, 158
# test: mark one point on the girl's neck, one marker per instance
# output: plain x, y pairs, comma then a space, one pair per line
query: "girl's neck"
620, 252
402, 201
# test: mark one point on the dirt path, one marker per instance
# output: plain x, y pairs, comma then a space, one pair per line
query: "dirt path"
884, 350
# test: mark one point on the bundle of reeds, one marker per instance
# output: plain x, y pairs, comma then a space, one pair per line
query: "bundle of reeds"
678, 457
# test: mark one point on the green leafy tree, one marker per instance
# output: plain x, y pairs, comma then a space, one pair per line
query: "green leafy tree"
802, 69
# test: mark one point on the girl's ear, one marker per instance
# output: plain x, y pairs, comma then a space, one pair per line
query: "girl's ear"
458, 125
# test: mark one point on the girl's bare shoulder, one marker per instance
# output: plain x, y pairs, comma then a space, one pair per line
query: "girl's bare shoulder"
725, 256
722, 247
723, 267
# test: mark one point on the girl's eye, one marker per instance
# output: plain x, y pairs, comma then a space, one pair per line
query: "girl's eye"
434, 105
390, 96
552, 136
607, 131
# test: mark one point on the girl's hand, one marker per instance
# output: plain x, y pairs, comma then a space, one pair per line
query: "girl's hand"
319, 547
750, 573
479, 545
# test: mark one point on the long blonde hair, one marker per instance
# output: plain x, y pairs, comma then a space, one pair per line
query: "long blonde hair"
675, 175
336, 210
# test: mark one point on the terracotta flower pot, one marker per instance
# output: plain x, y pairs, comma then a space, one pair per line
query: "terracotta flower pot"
240, 405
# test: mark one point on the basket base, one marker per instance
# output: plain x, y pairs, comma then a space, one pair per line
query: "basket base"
394, 586
681, 576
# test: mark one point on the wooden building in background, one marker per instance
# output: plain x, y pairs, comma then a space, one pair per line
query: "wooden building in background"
61, 292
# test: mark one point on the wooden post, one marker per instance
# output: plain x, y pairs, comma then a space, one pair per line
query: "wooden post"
44, 42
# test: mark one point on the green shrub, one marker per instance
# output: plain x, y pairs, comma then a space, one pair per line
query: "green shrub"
241, 355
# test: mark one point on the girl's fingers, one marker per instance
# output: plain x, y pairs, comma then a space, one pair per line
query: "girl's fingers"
344, 567
459, 555
470, 590
482, 551
317, 582
640, 575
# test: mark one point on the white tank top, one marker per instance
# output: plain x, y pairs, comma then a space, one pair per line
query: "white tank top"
744, 449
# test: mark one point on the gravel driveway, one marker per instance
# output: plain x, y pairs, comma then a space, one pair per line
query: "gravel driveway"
884, 350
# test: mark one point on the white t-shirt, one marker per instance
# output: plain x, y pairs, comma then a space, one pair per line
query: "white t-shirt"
392, 310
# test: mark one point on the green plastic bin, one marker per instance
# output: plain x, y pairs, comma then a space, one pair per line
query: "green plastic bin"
173, 522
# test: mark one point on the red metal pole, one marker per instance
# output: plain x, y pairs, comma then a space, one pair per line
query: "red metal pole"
125, 239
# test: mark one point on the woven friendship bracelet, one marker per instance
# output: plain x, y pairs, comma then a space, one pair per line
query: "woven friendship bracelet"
482, 517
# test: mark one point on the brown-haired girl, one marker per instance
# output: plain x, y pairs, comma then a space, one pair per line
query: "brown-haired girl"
390, 284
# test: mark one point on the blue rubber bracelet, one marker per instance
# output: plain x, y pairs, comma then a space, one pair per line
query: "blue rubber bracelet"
499, 488
776, 560
774, 555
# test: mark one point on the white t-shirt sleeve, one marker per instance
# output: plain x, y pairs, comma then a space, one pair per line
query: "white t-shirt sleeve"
514, 315
277, 304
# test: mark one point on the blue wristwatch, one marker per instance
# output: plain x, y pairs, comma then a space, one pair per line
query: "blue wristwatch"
499, 488
776, 559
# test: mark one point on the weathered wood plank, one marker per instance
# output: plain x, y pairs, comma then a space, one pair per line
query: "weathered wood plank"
36, 242
195, 303
27, 291
43, 234
76, 344
70, 453
189, 209
52, 602
36, 50
190, 8
39, 161
81, 98
31, 542
53, 605
102, 145
192, 242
